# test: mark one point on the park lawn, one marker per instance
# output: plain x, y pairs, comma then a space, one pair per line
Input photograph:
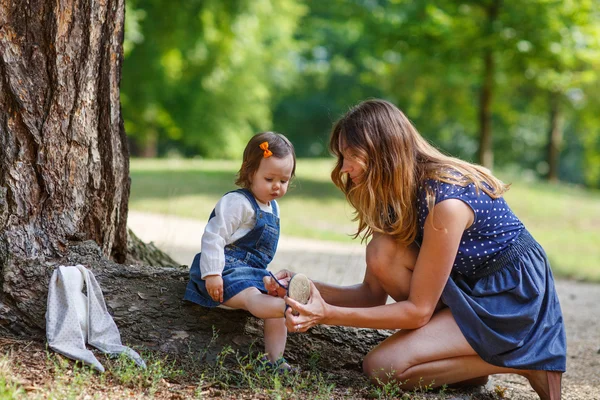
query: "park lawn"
563, 218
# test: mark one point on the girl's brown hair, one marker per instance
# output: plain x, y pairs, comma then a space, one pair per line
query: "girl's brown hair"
279, 145
396, 159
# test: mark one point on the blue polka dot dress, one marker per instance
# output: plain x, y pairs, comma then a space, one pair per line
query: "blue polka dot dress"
501, 289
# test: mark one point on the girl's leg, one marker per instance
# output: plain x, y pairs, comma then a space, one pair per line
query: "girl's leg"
260, 305
438, 354
275, 337
271, 310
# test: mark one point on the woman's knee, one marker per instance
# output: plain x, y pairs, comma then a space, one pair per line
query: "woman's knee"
371, 368
378, 367
384, 252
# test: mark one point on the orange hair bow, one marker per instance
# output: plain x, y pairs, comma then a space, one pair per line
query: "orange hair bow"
265, 146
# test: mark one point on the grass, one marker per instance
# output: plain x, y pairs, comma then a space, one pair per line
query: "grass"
563, 218
29, 371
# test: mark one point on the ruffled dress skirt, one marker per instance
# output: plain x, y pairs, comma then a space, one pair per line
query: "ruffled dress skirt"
510, 313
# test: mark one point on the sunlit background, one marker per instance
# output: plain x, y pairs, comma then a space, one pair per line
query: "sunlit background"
513, 85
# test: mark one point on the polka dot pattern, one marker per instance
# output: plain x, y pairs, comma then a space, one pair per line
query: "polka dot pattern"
67, 306
494, 228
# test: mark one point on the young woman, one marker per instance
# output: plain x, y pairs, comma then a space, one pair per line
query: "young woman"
474, 291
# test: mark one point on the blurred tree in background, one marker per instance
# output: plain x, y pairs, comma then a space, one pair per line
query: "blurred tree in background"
499, 82
201, 75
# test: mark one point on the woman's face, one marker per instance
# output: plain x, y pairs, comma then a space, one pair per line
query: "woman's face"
351, 164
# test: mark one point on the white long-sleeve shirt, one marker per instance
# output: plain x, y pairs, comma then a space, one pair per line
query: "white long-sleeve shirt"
234, 218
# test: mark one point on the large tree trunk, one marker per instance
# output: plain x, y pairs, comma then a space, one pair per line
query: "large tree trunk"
486, 153
64, 187
554, 137
65, 165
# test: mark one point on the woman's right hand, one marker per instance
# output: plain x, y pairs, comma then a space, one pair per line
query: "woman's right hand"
310, 314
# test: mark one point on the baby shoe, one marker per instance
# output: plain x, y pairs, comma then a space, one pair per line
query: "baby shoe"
281, 366
299, 289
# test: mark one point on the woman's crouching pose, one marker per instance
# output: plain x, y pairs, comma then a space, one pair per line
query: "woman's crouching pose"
474, 291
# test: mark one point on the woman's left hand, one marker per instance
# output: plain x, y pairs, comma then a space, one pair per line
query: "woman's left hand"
310, 314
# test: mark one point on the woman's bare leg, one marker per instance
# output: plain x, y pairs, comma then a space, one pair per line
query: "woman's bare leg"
260, 305
392, 266
545, 383
410, 355
438, 354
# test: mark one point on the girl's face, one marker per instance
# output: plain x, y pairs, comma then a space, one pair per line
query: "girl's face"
351, 164
271, 179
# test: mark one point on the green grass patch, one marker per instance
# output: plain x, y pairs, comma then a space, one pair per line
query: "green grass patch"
563, 218
9, 389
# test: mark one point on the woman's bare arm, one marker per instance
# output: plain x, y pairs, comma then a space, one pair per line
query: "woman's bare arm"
366, 294
434, 263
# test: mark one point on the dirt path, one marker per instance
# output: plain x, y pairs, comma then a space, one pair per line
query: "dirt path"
344, 264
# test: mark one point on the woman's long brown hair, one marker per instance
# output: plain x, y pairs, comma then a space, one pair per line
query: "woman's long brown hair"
396, 159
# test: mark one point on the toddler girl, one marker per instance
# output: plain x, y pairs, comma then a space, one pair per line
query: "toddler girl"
240, 240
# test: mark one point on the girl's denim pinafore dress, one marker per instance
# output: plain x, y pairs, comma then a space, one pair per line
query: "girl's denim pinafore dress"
246, 259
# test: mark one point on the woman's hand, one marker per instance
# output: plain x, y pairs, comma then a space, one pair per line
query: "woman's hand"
214, 287
310, 314
278, 289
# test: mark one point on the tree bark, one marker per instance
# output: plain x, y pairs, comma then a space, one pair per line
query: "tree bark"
554, 137
65, 163
486, 153
64, 187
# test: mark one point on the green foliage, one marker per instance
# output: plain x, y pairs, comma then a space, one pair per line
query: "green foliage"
70, 378
233, 370
391, 388
200, 77
9, 390
202, 74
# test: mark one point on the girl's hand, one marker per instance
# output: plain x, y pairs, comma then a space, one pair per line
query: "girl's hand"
214, 287
310, 314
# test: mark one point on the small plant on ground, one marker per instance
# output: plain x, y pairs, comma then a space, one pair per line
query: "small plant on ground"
8, 388
391, 388
500, 391
70, 378
129, 374
232, 370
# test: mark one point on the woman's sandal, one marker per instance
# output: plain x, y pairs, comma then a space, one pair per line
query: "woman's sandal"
551, 388
554, 384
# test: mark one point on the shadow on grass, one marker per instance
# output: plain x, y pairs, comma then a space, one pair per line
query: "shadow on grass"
167, 184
